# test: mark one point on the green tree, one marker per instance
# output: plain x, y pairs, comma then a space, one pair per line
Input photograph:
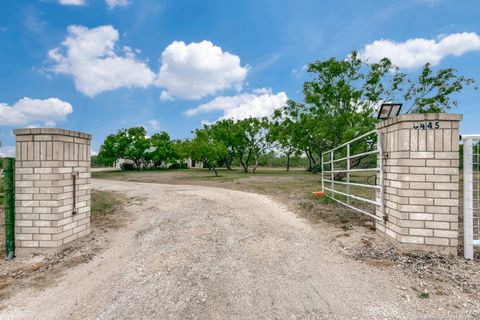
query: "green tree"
110, 151
136, 144
432, 92
131, 144
227, 132
281, 133
251, 141
203, 147
161, 149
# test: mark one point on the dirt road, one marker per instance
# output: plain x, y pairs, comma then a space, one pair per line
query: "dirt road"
207, 253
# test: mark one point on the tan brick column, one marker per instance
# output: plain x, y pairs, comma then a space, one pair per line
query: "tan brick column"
421, 165
48, 162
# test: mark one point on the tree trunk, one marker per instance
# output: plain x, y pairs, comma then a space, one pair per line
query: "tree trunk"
244, 166
228, 162
288, 161
309, 162
211, 167
256, 166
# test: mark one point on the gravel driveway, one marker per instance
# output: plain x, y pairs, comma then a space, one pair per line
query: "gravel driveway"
206, 253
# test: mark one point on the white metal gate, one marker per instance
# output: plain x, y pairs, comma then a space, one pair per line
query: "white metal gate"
471, 193
371, 142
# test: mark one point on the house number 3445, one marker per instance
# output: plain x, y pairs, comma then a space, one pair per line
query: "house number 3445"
426, 125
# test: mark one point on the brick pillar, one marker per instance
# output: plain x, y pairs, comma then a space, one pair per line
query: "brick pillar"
421, 165
46, 162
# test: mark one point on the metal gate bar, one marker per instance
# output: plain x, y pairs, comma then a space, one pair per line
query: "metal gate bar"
471, 193
330, 154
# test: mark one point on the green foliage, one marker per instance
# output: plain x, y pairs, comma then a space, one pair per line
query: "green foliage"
227, 132
133, 144
252, 142
162, 149
110, 151
203, 147
432, 93
340, 103
282, 137
136, 143
178, 165
127, 166
244, 140
2, 190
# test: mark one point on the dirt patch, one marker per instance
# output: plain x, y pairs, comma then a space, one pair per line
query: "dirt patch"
41, 270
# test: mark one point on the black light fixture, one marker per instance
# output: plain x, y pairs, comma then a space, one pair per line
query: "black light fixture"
388, 110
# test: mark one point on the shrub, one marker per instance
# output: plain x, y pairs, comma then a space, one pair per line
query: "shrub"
178, 165
127, 166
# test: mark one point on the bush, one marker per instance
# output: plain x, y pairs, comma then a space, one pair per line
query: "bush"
178, 165
127, 166
315, 168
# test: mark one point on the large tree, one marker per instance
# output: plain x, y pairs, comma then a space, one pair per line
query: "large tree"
342, 97
131, 144
161, 149
433, 92
282, 136
203, 147
251, 142
228, 133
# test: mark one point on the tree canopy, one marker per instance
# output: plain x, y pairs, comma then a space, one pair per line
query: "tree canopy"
341, 98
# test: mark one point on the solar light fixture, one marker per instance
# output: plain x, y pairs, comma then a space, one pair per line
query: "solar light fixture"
388, 110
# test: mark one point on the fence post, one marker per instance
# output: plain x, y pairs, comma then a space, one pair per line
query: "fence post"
468, 199
9, 174
348, 174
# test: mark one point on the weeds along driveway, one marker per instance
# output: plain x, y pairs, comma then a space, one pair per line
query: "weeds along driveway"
196, 252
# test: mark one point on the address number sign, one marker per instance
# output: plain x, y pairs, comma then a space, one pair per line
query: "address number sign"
426, 125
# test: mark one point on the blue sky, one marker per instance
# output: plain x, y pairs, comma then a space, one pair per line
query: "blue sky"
101, 65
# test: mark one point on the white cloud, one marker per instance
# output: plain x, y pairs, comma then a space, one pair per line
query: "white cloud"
416, 52
29, 111
241, 106
152, 125
197, 70
73, 2
7, 151
117, 3
90, 57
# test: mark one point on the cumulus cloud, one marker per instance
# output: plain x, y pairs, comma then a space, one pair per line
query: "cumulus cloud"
117, 3
91, 58
29, 111
73, 2
416, 52
152, 125
259, 104
198, 70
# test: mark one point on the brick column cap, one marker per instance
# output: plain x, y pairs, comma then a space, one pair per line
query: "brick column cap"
420, 117
52, 131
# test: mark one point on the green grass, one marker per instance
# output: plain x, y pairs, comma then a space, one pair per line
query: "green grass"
104, 203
